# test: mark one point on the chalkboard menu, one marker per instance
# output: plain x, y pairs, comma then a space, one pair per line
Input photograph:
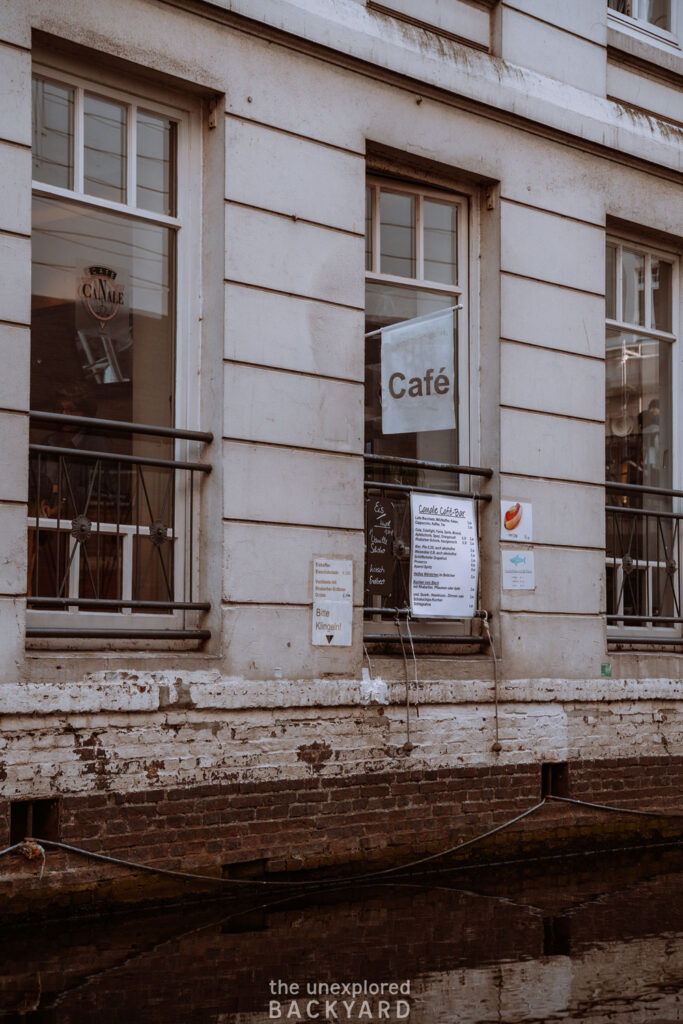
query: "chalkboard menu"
380, 536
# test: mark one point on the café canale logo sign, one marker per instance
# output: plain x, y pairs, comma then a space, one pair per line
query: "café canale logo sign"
100, 293
418, 374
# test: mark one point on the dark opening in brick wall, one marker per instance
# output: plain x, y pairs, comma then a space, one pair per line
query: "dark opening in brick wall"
38, 819
246, 869
557, 936
554, 779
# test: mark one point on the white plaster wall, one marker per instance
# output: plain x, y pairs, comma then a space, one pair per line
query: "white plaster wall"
292, 409
273, 329
629, 86
267, 563
469, 23
573, 52
297, 124
15, 277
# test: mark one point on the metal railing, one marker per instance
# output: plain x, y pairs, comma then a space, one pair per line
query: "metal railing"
387, 543
643, 565
111, 533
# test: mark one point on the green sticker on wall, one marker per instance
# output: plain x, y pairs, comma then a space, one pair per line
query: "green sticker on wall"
606, 668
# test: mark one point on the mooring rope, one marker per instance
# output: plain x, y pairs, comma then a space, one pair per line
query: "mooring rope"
33, 847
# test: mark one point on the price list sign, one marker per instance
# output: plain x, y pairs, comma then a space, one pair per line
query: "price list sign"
332, 602
444, 557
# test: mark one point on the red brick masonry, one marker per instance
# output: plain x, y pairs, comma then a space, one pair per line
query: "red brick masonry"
307, 823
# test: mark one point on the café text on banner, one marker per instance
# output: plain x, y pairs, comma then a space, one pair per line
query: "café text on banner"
418, 374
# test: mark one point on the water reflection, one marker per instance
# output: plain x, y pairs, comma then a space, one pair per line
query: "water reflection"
597, 939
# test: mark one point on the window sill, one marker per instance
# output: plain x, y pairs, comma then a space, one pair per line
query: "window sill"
651, 51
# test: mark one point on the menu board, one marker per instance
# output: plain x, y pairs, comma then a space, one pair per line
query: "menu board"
444, 557
380, 535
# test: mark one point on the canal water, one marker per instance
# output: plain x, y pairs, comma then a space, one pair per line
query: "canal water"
584, 938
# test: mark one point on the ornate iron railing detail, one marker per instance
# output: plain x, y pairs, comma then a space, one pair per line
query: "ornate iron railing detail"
112, 531
643, 560
387, 546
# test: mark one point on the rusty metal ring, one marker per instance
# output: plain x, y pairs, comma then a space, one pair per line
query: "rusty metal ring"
158, 532
81, 528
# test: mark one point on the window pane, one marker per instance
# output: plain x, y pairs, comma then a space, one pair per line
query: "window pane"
397, 228
661, 294
389, 304
102, 345
440, 242
53, 133
657, 12
623, 6
155, 163
611, 283
638, 409
633, 278
102, 322
368, 229
105, 149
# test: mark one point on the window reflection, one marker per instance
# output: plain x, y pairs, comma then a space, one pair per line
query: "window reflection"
661, 273
102, 312
156, 141
654, 12
658, 12
611, 282
638, 412
440, 242
53, 133
368, 229
387, 304
633, 284
397, 234
105, 149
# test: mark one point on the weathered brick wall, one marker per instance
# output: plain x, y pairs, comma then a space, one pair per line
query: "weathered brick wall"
376, 818
129, 732
641, 783
198, 774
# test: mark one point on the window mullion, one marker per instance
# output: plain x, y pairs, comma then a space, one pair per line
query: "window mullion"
647, 305
376, 233
619, 298
419, 238
79, 140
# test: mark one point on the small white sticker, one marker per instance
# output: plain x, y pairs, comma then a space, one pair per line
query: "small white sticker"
516, 521
518, 570
332, 624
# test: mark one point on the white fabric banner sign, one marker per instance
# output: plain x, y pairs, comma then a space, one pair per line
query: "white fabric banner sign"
418, 374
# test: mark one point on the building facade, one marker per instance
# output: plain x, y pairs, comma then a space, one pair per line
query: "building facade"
226, 548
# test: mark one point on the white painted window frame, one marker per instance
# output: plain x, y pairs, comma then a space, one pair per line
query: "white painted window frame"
638, 26
186, 114
468, 405
467, 292
635, 245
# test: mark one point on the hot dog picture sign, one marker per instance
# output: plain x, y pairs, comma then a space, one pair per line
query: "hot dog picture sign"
516, 521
